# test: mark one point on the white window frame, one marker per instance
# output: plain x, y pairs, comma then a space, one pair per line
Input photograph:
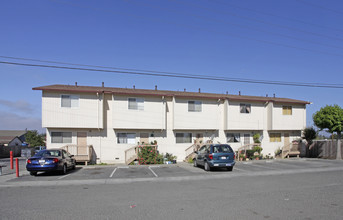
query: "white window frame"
235, 136
245, 108
74, 101
135, 104
126, 138
186, 137
63, 138
287, 110
195, 106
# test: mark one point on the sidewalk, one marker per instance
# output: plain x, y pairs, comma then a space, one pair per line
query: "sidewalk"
8, 173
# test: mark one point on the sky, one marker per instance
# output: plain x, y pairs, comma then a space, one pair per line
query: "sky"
297, 41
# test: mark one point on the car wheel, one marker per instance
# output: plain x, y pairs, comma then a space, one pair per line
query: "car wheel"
195, 163
229, 168
207, 167
73, 167
64, 170
33, 173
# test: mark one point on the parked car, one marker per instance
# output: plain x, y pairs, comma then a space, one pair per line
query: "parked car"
50, 160
215, 155
39, 148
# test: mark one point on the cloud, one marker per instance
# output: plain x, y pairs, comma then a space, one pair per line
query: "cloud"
20, 105
11, 121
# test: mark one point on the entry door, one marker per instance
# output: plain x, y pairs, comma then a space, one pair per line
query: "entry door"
199, 137
144, 138
82, 139
246, 139
82, 143
286, 139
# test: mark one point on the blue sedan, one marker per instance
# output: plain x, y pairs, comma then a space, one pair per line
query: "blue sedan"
215, 156
50, 160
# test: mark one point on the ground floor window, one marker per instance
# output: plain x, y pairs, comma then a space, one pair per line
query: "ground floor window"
275, 137
233, 137
183, 137
126, 138
61, 137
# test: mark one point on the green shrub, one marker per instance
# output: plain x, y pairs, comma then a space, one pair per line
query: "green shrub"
149, 155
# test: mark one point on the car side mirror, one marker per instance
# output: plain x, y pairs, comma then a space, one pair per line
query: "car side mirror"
72, 155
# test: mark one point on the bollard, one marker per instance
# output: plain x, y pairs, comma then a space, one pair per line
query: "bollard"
11, 159
17, 166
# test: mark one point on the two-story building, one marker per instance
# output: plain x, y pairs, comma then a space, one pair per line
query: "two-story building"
113, 120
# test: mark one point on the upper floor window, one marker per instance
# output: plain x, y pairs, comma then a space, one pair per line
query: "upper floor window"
70, 101
183, 137
194, 106
136, 103
287, 110
61, 137
233, 137
245, 108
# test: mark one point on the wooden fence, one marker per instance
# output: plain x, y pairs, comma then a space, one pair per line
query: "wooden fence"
326, 149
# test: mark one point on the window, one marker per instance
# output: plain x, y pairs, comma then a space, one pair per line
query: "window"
275, 137
246, 139
61, 137
126, 138
203, 149
287, 110
183, 137
245, 108
136, 103
70, 101
233, 137
194, 106
222, 149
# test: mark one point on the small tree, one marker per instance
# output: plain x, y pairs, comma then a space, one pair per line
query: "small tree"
309, 135
331, 118
34, 139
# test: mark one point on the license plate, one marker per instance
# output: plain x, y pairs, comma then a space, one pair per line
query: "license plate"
41, 161
228, 165
223, 158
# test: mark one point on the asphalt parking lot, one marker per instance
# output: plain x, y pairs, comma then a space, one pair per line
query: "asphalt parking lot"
123, 172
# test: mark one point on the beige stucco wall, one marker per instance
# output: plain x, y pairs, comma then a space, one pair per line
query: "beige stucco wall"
162, 119
296, 121
243, 121
87, 115
152, 117
208, 119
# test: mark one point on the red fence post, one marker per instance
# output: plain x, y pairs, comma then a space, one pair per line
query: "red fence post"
11, 159
17, 166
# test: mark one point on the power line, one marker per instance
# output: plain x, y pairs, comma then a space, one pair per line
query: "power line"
332, 86
235, 35
149, 71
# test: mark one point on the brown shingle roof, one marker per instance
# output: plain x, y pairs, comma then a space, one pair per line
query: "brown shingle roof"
147, 92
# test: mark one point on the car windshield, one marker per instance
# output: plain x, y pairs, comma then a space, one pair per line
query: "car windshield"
47, 153
222, 149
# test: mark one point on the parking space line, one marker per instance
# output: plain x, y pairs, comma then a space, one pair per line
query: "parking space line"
153, 172
63, 176
115, 169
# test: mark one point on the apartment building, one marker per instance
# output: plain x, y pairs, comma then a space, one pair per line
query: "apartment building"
113, 120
